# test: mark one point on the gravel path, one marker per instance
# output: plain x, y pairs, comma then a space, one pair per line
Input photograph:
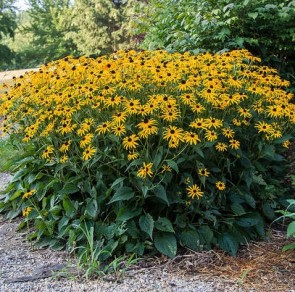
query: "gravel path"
24, 268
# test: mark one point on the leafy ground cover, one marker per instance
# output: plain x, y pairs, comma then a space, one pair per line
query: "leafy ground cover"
142, 151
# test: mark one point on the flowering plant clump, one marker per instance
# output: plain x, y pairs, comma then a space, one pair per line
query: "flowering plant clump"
149, 149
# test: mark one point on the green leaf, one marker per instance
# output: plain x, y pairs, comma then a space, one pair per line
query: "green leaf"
16, 195
291, 229
69, 207
289, 246
268, 211
164, 224
238, 209
117, 181
69, 188
190, 238
253, 15
250, 200
248, 221
146, 223
160, 193
92, 208
173, 165
205, 234
122, 194
166, 244
126, 213
228, 243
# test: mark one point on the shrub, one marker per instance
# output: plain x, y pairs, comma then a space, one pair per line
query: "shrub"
148, 149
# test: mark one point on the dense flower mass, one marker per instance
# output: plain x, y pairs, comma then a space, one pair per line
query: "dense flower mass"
178, 100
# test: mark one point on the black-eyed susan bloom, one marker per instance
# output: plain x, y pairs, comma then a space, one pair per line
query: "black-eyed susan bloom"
103, 128
132, 155
173, 133
88, 152
203, 172
27, 211
145, 170
47, 152
220, 185
191, 138
130, 142
194, 191
65, 146
263, 127
28, 194
221, 147
234, 144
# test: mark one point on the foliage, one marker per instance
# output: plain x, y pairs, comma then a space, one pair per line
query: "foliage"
9, 153
289, 213
138, 151
7, 27
99, 27
265, 28
48, 24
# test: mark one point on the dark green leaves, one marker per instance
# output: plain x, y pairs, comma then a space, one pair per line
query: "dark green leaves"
122, 194
146, 224
166, 244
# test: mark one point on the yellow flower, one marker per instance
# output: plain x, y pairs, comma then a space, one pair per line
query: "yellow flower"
86, 140
191, 138
203, 172
221, 147
130, 142
199, 124
88, 152
47, 152
228, 133
213, 123
166, 168
286, 144
27, 211
64, 159
263, 127
132, 155
220, 185
234, 144
145, 170
194, 191
173, 133
103, 128
28, 194
119, 130
65, 147
211, 135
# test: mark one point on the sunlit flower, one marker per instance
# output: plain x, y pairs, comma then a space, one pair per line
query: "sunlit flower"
27, 211
194, 191
145, 170
47, 152
88, 152
203, 172
220, 185
221, 147
130, 142
234, 144
28, 194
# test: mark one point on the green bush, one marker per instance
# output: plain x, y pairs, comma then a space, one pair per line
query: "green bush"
265, 28
148, 150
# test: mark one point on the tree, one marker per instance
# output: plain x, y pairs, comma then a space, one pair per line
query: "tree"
101, 26
48, 26
7, 27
